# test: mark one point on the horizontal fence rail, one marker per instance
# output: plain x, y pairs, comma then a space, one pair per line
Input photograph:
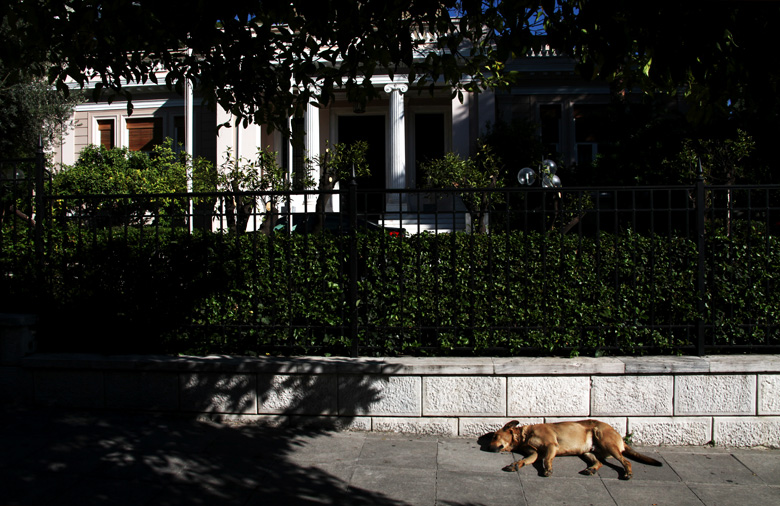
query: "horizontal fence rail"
677, 269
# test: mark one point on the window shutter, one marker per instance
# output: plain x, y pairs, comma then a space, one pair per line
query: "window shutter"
144, 133
106, 131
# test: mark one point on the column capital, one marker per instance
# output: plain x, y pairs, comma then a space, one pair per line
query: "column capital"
400, 87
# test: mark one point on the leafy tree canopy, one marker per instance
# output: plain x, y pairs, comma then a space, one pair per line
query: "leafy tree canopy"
29, 109
718, 54
263, 61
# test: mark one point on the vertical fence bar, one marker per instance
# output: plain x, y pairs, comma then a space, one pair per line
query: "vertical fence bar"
40, 211
353, 267
701, 245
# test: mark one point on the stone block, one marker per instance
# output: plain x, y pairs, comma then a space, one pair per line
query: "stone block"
476, 427
769, 394
338, 423
218, 393
299, 394
419, 426
730, 394
16, 337
16, 386
144, 390
69, 389
679, 431
631, 396
379, 395
548, 396
747, 431
464, 396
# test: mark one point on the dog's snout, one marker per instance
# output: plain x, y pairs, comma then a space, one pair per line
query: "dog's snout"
496, 446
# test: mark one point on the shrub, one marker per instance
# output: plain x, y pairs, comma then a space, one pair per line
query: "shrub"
142, 178
513, 293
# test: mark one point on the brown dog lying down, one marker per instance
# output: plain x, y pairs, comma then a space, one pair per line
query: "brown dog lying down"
592, 439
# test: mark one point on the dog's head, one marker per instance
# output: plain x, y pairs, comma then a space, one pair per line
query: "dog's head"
506, 438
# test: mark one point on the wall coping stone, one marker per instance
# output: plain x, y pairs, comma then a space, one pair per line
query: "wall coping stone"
744, 363
410, 366
536, 366
17, 320
666, 365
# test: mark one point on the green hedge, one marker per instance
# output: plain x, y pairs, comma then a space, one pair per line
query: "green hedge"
165, 290
532, 292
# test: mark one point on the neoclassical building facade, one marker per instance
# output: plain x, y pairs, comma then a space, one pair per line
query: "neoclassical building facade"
402, 128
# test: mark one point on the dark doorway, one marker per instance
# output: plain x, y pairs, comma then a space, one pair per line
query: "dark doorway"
372, 130
428, 142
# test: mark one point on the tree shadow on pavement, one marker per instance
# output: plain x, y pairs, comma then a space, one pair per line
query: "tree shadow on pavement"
100, 457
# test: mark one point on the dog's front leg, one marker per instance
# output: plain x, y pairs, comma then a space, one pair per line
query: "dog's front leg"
549, 454
530, 459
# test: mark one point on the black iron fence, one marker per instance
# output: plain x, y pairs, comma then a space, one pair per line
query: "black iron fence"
679, 269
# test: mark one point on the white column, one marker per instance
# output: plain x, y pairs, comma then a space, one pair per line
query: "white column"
460, 125
396, 173
311, 125
189, 135
487, 110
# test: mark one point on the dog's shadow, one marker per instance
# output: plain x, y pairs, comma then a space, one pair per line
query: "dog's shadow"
484, 445
484, 442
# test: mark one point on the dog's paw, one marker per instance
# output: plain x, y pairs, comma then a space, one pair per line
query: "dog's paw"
547, 473
627, 476
511, 467
588, 472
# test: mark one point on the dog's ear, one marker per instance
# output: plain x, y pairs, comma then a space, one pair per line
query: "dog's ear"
510, 425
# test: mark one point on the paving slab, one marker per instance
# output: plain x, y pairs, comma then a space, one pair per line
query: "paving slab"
735, 495
327, 449
464, 456
657, 493
392, 450
717, 468
765, 465
405, 485
494, 489
565, 491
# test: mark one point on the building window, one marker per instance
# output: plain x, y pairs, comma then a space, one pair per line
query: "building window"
106, 133
144, 133
591, 127
550, 120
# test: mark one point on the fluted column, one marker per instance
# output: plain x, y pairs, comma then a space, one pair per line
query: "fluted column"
396, 173
311, 125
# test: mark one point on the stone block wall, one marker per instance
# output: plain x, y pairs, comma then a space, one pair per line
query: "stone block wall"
731, 401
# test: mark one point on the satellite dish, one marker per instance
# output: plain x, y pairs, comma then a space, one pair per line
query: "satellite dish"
549, 166
526, 176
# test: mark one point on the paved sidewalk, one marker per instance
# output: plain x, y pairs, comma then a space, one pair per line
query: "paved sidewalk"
58, 458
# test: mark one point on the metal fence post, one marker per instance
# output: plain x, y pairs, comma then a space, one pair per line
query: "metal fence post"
40, 209
353, 267
701, 288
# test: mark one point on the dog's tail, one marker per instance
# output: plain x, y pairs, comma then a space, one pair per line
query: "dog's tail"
635, 455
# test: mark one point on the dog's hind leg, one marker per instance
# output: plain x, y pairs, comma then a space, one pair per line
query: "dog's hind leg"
594, 464
612, 450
